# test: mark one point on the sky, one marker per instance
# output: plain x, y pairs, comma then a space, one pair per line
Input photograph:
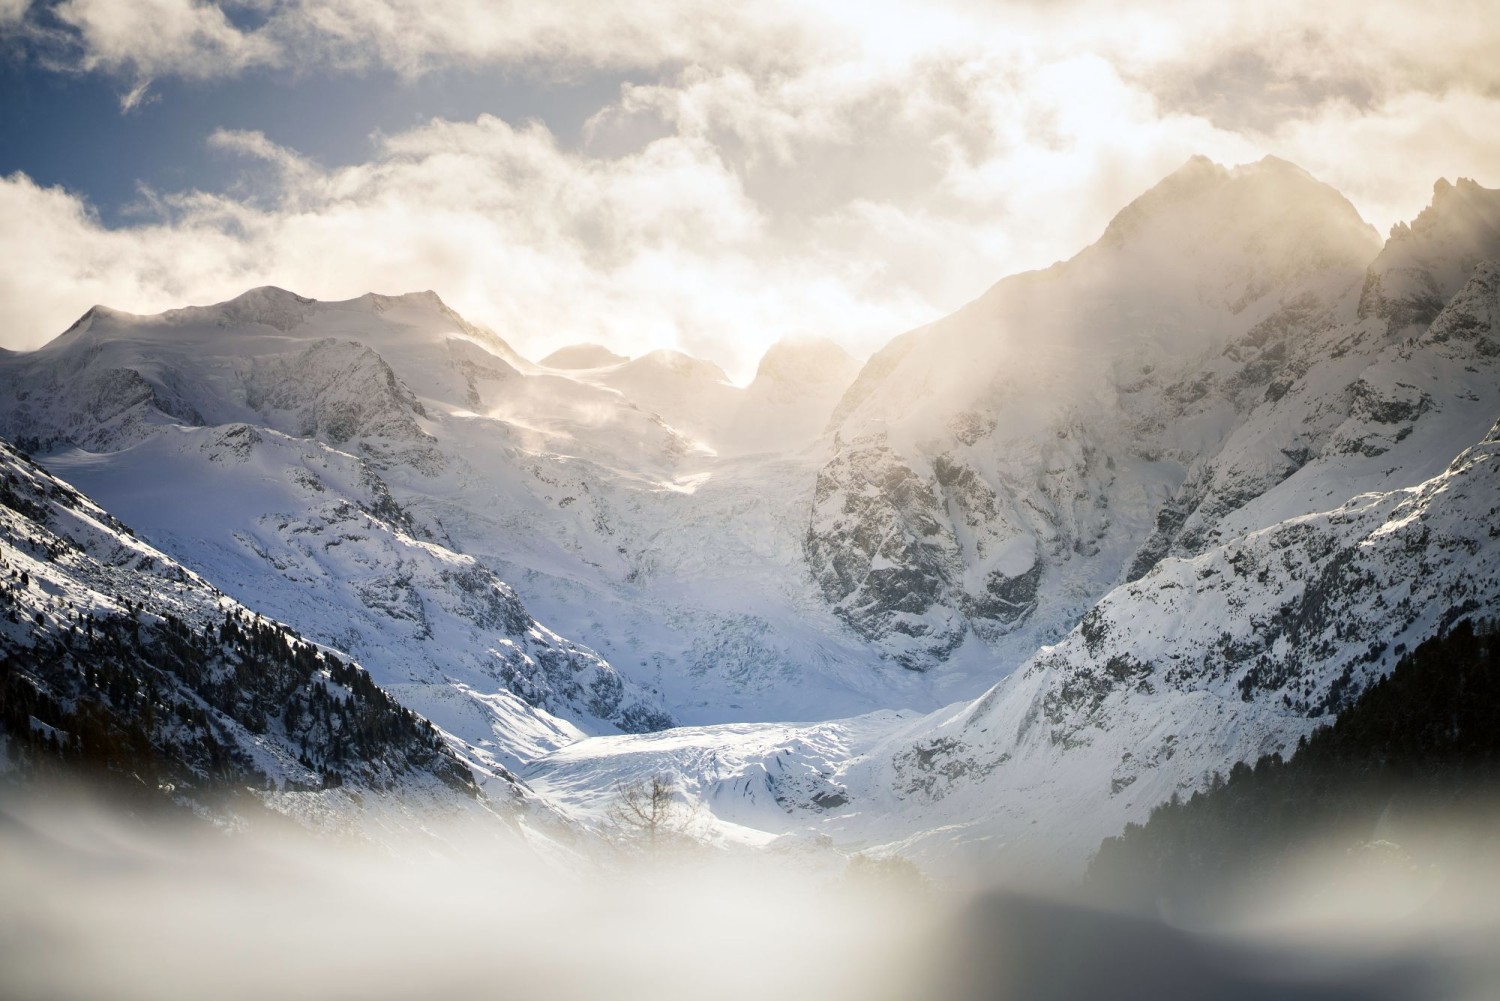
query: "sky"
702, 176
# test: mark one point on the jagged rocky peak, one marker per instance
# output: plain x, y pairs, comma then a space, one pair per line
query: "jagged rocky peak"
1425, 262
578, 356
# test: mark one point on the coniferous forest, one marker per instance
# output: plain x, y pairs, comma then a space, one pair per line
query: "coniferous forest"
151, 703
1420, 747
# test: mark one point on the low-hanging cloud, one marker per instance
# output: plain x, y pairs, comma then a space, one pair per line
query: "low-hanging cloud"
104, 904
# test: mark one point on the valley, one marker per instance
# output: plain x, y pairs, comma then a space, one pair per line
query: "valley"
1023, 575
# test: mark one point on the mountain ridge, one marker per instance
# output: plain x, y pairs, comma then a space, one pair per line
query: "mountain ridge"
1141, 480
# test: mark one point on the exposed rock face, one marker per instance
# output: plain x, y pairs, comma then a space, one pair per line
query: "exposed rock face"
1212, 660
333, 391
1298, 581
1426, 262
885, 557
998, 471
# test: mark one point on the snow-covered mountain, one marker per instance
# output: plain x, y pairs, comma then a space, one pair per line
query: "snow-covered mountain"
786, 406
575, 356
1149, 512
374, 472
1283, 503
261, 458
998, 470
118, 658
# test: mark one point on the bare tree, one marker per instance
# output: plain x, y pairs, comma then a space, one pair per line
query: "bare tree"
650, 808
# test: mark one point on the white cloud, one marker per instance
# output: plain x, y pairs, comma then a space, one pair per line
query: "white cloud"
196, 39
1386, 159
13, 11
61, 260
136, 96
1381, 46
776, 169
842, 205
148, 38
657, 248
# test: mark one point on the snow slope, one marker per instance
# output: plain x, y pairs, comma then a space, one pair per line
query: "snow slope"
117, 656
257, 456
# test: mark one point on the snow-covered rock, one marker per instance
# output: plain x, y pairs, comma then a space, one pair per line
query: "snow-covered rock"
1425, 262
117, 657
996, 471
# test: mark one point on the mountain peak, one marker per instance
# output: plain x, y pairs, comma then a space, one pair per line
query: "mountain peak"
679, 364
426, 298
1457, 204
1267, 215
1197, 175
576, 356
1273, 162
1197, 165
268, 305
270, 294
1425, 262
806, 361
92, 316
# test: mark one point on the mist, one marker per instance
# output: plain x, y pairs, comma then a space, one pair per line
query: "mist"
99, 904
